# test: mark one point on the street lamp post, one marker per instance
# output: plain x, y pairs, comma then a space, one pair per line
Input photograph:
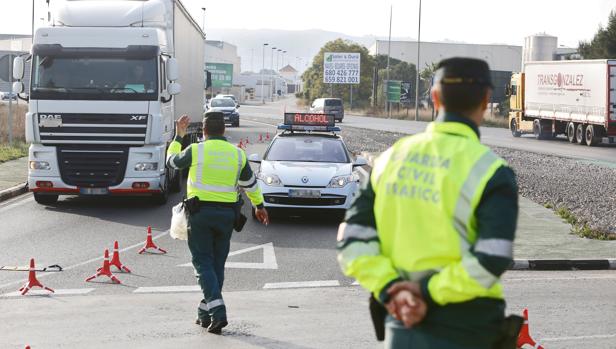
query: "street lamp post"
272, 70
417, 70
203, 26
263, 75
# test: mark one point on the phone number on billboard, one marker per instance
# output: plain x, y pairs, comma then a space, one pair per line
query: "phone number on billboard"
342, 77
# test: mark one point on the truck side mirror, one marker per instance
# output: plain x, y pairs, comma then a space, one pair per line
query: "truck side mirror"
18, 87
507, 91
174, 88
173, 70
18, 68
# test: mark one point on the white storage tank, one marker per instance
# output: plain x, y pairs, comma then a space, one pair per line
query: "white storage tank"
539, 47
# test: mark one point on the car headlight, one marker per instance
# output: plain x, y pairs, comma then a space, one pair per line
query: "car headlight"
342, 181
146, 166
270, 179
40, 165
235, 113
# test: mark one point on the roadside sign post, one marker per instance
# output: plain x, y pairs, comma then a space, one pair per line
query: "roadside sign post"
341, 68
393, 91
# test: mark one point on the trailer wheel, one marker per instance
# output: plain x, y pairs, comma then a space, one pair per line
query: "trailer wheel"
591, 137
513, 126
571, 132
579, 134
538, 130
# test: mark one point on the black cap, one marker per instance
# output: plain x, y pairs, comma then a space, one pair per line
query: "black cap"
214, 116
462, 70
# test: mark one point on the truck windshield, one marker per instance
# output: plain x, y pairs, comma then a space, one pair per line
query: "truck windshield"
94, 78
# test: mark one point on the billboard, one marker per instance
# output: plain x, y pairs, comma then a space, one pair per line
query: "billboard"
222, 74
393, 90
341, 67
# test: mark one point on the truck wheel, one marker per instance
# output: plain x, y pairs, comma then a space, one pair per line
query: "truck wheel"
513, 126
175, 184
45, 199
161, 198
571, 132
591, 137
537, 130
579, 134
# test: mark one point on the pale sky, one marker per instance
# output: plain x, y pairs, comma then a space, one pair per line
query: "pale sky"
472, 21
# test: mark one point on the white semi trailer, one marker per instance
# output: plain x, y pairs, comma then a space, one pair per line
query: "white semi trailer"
574, 98
104, 94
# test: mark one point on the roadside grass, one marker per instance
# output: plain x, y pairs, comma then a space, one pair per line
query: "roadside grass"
12, 152
579, 227
19, 122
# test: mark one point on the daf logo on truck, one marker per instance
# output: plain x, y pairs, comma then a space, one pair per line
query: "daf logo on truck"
51, 116
50, 120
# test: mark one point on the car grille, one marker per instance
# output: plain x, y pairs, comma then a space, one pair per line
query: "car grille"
95, 129
99, 167
329, 200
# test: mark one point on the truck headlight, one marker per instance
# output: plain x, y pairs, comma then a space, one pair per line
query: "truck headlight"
40, 165
146, 166
270, 179
342, 181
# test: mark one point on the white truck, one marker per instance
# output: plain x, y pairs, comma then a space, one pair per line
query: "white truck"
104, 94
574, 98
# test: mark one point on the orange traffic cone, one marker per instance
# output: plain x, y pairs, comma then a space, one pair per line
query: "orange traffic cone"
247, 141
524, 337
105, 270
149, 243
260, 138
241, 144
33, 281
115, 259
267, 137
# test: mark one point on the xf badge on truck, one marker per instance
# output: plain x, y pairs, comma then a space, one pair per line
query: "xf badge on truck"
138, 117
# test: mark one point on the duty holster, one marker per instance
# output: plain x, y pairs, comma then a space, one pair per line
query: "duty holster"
378, 313
192, 205
510, 332
240, 219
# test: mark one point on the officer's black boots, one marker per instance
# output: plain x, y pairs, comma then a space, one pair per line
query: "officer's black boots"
216, 326
205, 323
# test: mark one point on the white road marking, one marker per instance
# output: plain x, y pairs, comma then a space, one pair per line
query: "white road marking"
59, 292
168, 289
41, 275
597, 336
301, 284
562, 278
269, 258
15, 202
262, 123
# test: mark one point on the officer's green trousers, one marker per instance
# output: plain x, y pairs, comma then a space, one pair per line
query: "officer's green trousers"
209, 239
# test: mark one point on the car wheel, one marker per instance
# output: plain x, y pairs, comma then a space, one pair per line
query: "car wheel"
236, 124
45, 199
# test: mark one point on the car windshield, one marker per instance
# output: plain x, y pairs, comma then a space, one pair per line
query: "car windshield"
94, 76
307, 149
222, 103
333, 102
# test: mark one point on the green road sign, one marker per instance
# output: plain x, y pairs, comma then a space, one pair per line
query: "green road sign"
222, 74
393, 91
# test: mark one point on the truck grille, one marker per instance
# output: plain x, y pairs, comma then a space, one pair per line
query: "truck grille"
99, 167
92, 129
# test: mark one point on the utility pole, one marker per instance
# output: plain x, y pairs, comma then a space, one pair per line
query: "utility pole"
417, 73
203, 26
272, 71
387, 104
263, 74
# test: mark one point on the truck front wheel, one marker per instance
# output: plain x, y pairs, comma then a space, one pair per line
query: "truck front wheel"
571, 132
45, 199
513, 126
579, 134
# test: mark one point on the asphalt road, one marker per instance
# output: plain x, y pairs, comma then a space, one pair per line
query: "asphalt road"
603, 154
568, 310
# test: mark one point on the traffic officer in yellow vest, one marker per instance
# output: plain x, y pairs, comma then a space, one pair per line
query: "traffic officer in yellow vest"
217, 169
432, 229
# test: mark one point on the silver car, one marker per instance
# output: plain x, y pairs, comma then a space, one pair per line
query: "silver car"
332, 106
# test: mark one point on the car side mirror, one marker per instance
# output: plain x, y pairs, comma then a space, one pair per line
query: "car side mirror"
360, 161
256, 158
237, 106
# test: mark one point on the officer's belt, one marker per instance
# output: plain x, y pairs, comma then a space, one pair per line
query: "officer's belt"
217, 204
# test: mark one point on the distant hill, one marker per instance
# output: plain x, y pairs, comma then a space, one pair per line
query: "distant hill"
298, 43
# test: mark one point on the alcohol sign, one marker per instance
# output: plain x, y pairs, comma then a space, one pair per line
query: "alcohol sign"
309, 119
341, 67
222, 74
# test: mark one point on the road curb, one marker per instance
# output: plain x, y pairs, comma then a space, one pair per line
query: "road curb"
13, 191
563, 264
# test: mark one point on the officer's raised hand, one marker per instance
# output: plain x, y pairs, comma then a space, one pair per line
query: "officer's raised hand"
181, 126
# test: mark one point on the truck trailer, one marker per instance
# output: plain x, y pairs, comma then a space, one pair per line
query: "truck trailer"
574, 98
104, 95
